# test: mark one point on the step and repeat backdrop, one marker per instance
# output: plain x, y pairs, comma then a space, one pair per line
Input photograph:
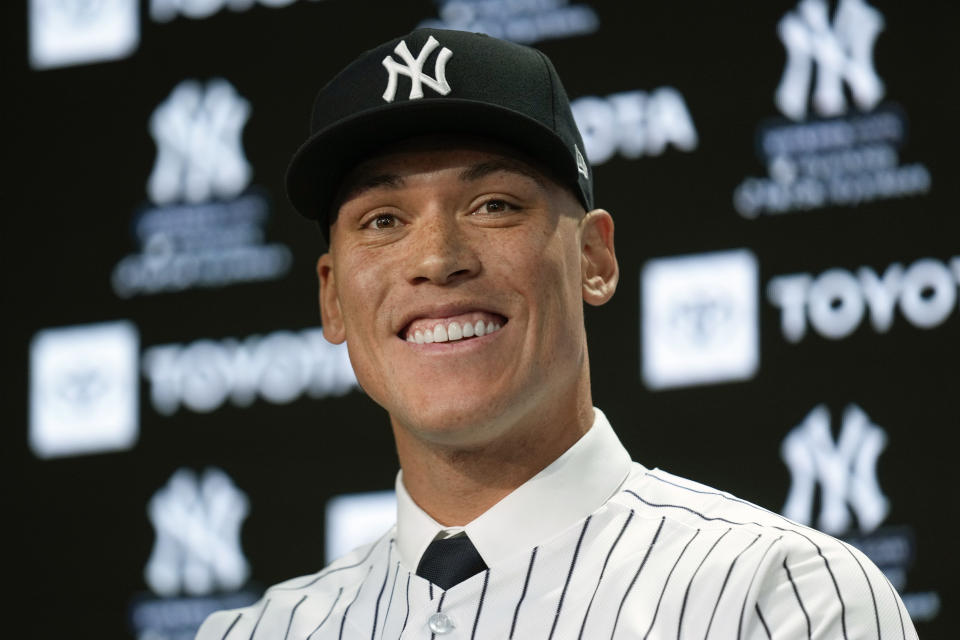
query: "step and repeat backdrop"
783, 179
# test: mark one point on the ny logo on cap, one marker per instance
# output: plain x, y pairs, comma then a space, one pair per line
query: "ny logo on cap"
413, 69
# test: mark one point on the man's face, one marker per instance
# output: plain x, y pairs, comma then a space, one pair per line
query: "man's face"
456, 277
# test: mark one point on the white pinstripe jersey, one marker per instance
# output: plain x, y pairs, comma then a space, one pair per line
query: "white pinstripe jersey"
663, 558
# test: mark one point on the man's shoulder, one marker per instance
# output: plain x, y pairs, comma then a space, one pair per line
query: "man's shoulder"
691, 505
659, 493
789, 574
324, 590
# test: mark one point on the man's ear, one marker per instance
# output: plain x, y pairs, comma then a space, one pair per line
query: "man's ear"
598, 259
330, 315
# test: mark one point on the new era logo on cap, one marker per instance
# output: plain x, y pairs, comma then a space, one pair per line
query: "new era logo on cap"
413, 69
581, 163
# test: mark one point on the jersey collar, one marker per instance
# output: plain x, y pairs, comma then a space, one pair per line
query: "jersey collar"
572, 487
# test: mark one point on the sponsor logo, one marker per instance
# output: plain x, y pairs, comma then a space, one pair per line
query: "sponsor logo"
834, 158
205, 227
355, 519
70, 32
197, 563
84, 389
280, 367
699, 319
525, 21
634, 124
167, 10
852, 505
413, 69
835, 302
84, 380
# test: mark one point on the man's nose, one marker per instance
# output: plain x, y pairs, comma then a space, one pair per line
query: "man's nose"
442, 252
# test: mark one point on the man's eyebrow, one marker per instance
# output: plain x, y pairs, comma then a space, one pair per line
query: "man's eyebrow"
360, 185
484, 169
363, 184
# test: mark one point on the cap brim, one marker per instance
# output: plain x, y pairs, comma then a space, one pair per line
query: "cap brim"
319, 165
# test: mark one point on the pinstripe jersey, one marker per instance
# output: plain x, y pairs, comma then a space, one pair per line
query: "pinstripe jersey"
663, 557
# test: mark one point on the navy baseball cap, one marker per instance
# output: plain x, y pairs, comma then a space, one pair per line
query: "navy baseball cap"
434, 81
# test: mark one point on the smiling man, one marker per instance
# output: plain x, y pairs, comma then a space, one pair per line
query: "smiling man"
446, 172
456, 275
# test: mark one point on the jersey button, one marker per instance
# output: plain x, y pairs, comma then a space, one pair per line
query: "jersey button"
440, 623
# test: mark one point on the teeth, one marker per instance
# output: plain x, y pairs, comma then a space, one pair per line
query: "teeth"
453, 331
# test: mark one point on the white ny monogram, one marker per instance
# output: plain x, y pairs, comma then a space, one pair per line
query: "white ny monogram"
413, 69
846, 471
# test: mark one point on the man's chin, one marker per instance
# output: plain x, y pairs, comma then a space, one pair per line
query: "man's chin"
457, 425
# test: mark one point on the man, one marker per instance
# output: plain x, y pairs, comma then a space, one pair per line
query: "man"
462, 242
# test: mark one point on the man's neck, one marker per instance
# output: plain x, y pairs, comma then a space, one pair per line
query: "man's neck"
456, 485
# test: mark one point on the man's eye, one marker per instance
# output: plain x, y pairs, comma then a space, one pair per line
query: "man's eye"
495, 206
383, 221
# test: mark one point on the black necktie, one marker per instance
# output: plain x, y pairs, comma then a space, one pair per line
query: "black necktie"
450, 561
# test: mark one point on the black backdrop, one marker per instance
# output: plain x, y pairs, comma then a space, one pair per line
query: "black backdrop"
80, 153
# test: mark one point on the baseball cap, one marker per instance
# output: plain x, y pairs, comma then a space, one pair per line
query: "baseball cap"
432, 81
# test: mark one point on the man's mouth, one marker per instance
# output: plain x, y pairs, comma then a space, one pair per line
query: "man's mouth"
452, 329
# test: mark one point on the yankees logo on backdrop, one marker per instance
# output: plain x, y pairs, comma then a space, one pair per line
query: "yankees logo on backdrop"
413, 69
197, 548
842, 52
846, 471
198, 131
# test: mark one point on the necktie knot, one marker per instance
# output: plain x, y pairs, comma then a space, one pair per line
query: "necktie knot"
450, 561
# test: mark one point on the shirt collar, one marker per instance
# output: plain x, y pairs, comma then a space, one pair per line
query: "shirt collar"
572, 487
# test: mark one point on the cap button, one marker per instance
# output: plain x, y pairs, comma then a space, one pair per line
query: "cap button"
440, 623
